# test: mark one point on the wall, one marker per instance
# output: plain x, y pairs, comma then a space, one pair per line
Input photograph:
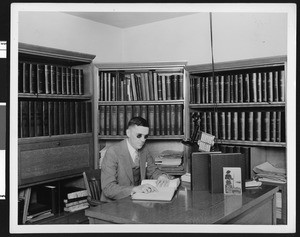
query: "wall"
235, 36
64, 31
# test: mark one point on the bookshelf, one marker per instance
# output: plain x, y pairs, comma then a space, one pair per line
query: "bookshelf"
243, 103
55, 119
155, 91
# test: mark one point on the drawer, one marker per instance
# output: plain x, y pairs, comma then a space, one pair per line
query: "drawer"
46, 160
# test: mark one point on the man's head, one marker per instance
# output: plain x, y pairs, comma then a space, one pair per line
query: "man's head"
137, 132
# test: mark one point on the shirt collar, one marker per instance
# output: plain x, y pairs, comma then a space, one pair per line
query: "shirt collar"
132, 151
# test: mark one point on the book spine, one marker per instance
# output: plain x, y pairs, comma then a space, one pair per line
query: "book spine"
264, 87
26, 80
180, 86
278, 126
31, 119
45, 118
146, 82
266, 126
241, 88
24, 118
64, 80
59, 80
66, 117
275, 87
53, 79
38, 117
114, 117
129, 114
151, 89
257, 126
208, 122
235, 126
249, 126
155, 85
216, 90
81, 82
210, 89
151, 119
68, 81
246, 91
168, 119
102, 120
215, 124
227, 89
270, 87
144, 112
203, 90
172, 119
32, 78
281, 86
77, 194
228, 125
61, 117
253, 87
259, 86
20, 77
175, 87
223, 125
221, 89
41, 79
179, 116
164, 87
231, 88
242, 126
157, 120
121, 120
83, 111
273, 126
162, 120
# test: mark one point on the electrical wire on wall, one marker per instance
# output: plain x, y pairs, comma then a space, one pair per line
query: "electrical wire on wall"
215, 108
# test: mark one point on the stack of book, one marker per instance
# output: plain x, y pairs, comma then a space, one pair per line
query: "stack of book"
75, 199
169, 160
269, 173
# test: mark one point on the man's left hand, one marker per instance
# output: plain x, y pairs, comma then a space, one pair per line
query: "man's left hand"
163, 181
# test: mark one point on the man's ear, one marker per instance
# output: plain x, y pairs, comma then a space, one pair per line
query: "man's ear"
127, 132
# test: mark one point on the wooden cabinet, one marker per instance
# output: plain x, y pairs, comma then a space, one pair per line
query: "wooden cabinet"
55, 118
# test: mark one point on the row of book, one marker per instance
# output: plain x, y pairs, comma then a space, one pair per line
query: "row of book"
169, 158
150, 85
164, 119
267, 86
48, 117
266, 126
50, 79
75, 199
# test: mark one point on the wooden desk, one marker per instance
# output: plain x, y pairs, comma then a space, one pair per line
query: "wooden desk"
255, 206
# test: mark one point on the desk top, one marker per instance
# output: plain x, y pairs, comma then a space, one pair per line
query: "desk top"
186, 207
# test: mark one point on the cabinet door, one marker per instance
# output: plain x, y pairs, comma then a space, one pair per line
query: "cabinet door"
54, 158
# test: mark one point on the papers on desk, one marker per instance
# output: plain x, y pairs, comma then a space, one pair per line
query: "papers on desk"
267, 172
163, 194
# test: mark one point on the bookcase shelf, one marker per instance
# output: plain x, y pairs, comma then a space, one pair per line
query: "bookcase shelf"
241, 102
239, 105
251, 143
155, 91
55, 118
58, 97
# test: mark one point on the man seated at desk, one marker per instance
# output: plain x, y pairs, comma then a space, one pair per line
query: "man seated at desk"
126, 163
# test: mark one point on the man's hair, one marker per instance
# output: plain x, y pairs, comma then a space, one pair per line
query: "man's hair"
139, 121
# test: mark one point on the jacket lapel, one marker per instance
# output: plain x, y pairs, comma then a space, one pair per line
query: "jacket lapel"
125, 159
142, 164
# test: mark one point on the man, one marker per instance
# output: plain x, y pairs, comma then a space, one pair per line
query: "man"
126, 163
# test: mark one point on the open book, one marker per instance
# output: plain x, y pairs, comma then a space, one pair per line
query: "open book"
163, 194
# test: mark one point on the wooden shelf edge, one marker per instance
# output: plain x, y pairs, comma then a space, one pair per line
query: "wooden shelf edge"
48, 52
238, 64
144, 102
118, 137
251, 143
238, 105
52, 96
26, 140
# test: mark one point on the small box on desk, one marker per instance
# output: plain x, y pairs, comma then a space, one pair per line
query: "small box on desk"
207, 170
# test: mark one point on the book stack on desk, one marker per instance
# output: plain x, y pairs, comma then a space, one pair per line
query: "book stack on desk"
169, 160
75, 199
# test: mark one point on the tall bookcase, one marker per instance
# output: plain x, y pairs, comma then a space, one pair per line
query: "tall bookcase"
155, 91
242, 103
55, 111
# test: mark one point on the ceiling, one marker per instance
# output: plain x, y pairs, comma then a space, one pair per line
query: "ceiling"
128, 19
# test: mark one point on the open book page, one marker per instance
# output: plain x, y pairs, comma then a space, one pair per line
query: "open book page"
163, 193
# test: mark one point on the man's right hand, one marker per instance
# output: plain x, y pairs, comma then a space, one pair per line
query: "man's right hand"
144, 188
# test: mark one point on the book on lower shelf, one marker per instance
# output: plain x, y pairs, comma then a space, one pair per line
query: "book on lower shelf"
163, 193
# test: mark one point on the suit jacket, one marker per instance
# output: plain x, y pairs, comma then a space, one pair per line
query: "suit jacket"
116, 171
